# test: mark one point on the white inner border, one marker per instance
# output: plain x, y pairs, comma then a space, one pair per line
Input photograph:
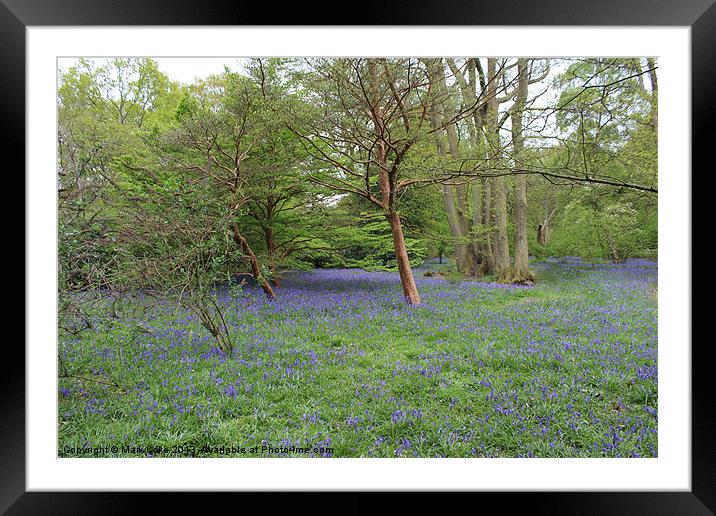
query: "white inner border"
671, 470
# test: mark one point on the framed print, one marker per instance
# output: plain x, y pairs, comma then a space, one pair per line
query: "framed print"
355, 257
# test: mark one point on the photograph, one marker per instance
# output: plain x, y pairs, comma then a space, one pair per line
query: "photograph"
357, 257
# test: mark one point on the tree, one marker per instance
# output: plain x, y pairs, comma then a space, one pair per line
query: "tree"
501, 247
365, 162
106, 114
608, 119
520, 272
285, 208
220, 122
456, 209
369, 114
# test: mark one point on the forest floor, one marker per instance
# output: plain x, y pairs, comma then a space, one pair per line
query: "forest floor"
340, 366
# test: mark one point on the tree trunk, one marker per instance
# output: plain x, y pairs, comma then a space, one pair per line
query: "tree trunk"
255, 268
465, 251
468, 88
521, 246
654, 94
387, 181
493, 220
502, 244
410, 290
543, 229
271, 250
543, 232
488, 263
465, 257
613, 251
476, 220
521, 268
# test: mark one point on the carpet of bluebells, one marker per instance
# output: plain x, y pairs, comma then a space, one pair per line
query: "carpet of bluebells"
341, 366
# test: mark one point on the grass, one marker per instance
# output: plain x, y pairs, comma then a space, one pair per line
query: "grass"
340, 366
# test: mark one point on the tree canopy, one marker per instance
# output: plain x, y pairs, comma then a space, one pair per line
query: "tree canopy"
378, 163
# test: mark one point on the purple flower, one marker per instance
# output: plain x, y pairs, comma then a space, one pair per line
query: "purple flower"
397, 416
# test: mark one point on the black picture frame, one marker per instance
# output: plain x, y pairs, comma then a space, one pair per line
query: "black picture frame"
700, 15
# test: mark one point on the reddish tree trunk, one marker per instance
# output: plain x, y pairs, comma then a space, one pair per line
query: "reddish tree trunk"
271, 248
255, 269
387, 184
410, 291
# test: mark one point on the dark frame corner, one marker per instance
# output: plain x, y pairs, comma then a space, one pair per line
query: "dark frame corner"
700, 15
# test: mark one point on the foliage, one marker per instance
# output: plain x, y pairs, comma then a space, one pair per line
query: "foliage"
370, 246
139, 153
